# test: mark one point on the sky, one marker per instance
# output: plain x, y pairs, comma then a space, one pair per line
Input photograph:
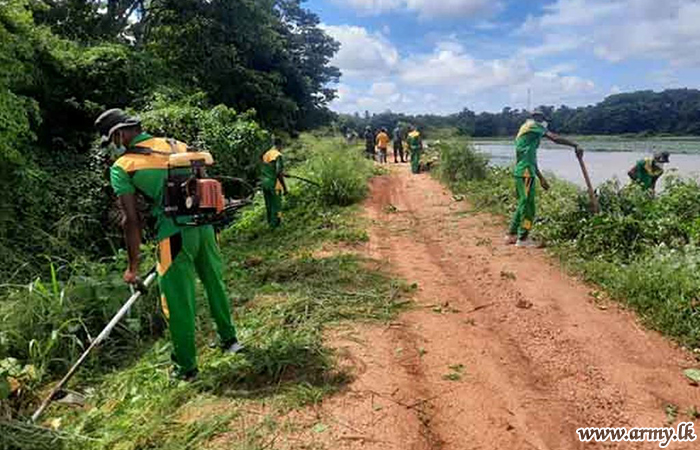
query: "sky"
441, 56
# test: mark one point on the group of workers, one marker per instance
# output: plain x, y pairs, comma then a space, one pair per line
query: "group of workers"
188, 251
645, 172
410, 143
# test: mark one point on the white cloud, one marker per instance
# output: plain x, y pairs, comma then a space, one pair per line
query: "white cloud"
425, 8
449, 79
617, 30
362, 53
554, 44
466, 75
383, 89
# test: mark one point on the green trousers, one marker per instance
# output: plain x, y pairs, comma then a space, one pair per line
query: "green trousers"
415, 160
524, 215
273, 207
193, 251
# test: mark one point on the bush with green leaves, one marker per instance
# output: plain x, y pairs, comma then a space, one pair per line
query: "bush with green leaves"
342, 174
460, 161
235, 140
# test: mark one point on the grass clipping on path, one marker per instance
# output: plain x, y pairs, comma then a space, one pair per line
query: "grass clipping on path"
284, 298
643, 250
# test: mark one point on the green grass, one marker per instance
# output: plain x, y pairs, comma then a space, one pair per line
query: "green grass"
643, 251
285, 293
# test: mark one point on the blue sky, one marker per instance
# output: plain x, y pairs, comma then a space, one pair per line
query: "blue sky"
440, 56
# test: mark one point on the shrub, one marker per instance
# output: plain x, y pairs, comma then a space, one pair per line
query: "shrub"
235, 140
460, 162
342, 174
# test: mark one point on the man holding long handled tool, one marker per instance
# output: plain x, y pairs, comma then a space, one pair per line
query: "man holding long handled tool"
151, 167
526, 144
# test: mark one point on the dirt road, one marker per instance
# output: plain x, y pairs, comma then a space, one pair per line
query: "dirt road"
503, 351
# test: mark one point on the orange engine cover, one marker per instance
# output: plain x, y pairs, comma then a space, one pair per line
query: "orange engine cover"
210, 195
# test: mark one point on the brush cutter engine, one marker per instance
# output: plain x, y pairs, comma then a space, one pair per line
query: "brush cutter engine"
191, 197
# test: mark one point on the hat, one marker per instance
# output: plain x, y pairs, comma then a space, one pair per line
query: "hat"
538, 112
662, 157
112, 120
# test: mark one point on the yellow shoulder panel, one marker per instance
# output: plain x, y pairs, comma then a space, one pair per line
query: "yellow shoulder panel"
163, 145
527, 126
131, 162
271, 155
649, 167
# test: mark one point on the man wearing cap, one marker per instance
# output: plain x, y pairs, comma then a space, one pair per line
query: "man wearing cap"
142, 166
273, 184
646, 172
526, 169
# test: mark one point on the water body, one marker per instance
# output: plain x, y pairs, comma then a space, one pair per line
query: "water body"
603, 159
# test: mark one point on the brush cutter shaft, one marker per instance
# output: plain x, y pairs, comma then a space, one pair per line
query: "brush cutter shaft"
100, 337
303, 179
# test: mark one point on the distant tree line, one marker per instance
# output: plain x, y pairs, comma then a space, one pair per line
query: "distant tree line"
673, 112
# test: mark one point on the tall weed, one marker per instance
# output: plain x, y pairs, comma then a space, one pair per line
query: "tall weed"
342, 174
460, 162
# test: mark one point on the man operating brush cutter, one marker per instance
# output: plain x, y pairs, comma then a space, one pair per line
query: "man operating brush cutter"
273, 184
172, 177
526, 169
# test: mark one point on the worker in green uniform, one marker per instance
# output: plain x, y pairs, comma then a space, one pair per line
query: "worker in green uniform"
369, 143
273, 184
646, 172
526, 169
141, 165
415, 144
398, 144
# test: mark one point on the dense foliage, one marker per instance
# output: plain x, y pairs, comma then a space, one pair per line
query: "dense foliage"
675, 112
642, 249
63, 62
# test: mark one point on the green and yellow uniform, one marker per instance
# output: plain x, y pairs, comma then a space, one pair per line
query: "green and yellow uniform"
646, 173
416, 146
272, 169
183, 252
526, 144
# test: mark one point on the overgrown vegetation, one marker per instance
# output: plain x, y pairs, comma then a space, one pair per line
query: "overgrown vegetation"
644, 250
459, 162
221, 69
284, 294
